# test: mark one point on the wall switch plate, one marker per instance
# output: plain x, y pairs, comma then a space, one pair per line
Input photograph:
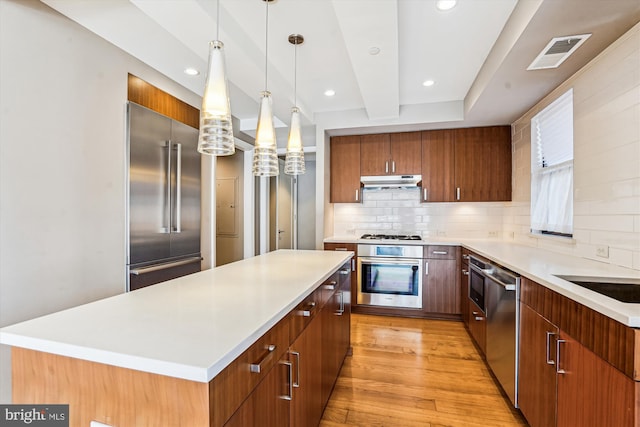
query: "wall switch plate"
602, 251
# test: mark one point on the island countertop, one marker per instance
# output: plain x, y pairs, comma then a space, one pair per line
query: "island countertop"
191, 327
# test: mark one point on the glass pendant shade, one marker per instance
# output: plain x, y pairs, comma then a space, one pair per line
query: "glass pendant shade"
216, 131
265, 156
294, 160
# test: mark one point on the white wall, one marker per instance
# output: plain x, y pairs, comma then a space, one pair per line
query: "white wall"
62, 164
399, 211
307, 207
606, 95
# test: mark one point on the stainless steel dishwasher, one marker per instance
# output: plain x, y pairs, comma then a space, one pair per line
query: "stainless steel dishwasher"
501, 296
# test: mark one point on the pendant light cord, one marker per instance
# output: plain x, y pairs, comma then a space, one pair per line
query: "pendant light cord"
218, 20
295, 74
266, 47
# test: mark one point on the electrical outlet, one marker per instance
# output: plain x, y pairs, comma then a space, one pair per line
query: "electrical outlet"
493, 234
441, 233
602, 251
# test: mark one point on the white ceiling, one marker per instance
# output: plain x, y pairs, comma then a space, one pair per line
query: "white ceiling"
477, 54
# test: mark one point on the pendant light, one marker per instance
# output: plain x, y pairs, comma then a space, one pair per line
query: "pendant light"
265, 157
294, 160
216, 131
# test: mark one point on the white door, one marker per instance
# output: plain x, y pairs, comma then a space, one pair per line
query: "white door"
284, 211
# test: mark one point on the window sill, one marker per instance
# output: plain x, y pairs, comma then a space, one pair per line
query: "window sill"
569, 241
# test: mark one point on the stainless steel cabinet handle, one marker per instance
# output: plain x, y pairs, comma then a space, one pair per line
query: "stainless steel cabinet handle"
393, 166
331, 286
386, 167
439, 252
340, 310
256, 368
289, 381
479, 318
548, 356
559, 370
340, 249
152, 268
296, 382
353, 264
426, 268
178, 219
345, 271
307, 313
357, 199
465, 272
465, 256
458, 193
425, 194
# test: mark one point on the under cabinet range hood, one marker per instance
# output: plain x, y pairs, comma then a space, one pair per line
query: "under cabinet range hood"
391, 181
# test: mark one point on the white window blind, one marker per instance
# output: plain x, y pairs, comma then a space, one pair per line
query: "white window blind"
552, 168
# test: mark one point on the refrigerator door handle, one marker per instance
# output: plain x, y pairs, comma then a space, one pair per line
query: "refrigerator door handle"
178, 203
158, 267
167, 207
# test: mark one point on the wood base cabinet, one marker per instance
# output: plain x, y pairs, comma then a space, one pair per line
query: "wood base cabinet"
441, 292
562, 382
464, 286
477, 326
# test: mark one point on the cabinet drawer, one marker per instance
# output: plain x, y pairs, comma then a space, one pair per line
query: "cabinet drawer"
304, 313
440, 252
232, 386
465, 255
328, 288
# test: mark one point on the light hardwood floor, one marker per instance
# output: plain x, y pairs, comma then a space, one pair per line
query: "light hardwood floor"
415, 372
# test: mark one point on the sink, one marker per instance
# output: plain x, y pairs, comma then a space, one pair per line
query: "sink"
621, 289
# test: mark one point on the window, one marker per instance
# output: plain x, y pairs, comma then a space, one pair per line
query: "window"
552, 168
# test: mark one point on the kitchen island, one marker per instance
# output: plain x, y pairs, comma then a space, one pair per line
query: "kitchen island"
161, 355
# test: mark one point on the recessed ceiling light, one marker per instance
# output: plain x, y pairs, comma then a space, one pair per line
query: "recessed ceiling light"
191, 71
428, 83
445, 4
329, 92
374, 50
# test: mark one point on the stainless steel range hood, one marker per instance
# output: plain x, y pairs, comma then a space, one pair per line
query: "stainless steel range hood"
391, 181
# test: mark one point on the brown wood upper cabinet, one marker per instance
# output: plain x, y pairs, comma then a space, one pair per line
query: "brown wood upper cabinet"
345, 170
467, 165
390, 154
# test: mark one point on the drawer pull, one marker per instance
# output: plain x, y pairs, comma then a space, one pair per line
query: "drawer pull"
340, 249
340, 310
345, 271
479, 318
440, 252
307, 313
559, 370
549, 360
465, 256
256, 368
465, 272
331, 286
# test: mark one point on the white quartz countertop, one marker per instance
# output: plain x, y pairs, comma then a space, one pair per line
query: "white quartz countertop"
542, 266
191, 327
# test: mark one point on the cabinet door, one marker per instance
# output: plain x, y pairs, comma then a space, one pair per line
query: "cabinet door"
375, 155
537, 372
306, 355
268, 404
345, 169
464, 289
591, 392
406, 153
483, 164
330, 341
477, 326
437, 166
441, 293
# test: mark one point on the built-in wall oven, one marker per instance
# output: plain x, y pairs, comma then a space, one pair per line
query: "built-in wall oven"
390, 275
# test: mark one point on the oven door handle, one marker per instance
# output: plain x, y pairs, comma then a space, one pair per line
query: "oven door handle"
397, 261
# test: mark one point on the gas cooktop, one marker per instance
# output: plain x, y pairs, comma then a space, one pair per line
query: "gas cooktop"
390, 237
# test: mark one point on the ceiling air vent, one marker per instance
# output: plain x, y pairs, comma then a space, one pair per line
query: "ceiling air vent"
556, 51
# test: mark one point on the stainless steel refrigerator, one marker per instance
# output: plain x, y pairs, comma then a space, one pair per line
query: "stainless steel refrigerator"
163, 207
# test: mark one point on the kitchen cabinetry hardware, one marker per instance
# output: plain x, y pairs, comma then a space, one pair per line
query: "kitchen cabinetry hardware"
256, 368
425, 194
386, 166
307, 313
167, 209
340, 249
345, 271
331, 285
393, 166
289, 366
465, 256
439, 252
559, 370
340, 310
458, 193
426, 268
548, 352
296, 382
465, 272
357, 195
353, 264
